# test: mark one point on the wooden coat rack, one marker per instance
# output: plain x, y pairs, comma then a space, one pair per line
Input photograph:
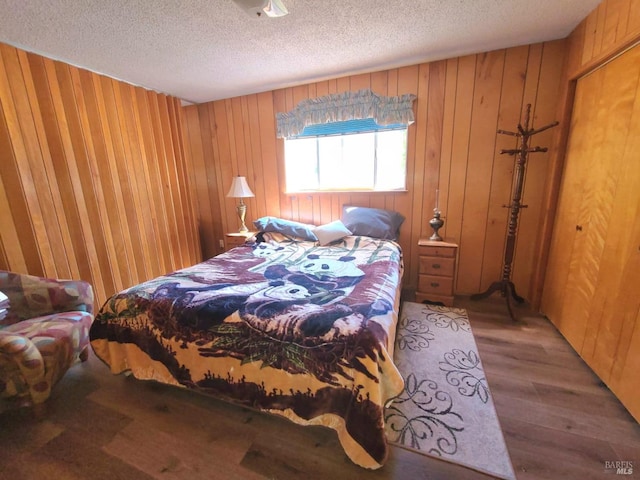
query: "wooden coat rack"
505, 286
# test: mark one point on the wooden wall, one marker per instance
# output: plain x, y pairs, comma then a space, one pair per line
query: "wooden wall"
453, 147
93, 176
591, 286
607, 31
610, 28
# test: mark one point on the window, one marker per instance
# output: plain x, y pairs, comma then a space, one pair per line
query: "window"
352, 155
348, 141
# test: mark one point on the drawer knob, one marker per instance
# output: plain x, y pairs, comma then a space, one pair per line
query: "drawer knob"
435, 284
436, 265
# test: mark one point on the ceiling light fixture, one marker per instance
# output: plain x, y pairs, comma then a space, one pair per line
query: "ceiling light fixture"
271, 8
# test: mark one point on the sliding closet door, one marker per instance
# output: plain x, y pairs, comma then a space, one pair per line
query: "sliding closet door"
562, 294
591, 289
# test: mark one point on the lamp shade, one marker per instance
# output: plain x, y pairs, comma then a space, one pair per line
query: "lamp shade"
239, 188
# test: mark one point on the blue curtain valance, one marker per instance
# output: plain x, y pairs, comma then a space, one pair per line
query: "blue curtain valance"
346, 106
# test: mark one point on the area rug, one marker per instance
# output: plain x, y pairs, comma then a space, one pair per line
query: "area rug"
446, 409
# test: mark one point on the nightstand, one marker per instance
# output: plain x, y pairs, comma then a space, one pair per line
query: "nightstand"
236, 239
436, 271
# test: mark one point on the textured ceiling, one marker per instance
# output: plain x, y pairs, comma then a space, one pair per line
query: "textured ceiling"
203, 50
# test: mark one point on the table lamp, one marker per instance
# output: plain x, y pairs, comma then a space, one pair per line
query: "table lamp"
240, 189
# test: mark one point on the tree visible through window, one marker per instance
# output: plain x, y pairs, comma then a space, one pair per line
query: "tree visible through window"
353, 155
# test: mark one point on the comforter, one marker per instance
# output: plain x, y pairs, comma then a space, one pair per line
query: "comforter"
283, 326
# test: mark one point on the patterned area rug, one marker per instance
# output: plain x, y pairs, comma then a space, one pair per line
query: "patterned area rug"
446, 409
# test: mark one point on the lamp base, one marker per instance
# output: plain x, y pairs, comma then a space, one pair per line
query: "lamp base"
436, 224
242, 211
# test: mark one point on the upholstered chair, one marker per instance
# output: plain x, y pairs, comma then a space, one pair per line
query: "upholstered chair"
44, 329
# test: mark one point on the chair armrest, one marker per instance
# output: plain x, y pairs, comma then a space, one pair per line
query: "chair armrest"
71, 295
25, 356
31, 296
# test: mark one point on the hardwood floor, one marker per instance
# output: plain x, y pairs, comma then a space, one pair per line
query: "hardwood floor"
558, 419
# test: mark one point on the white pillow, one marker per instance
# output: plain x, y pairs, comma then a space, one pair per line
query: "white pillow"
330, 232
4, 305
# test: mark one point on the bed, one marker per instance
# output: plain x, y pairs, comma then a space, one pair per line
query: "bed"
284, 325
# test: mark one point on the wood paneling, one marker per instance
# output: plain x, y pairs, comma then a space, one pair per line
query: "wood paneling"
590, 291
93, 179
452, 146
613, 26
595, 248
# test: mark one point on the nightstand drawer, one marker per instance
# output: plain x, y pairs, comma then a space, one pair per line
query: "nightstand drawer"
434, 284
441, 266
436, 251
235, 241
232, 240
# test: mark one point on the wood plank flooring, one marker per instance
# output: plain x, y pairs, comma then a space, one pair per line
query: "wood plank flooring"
558, 419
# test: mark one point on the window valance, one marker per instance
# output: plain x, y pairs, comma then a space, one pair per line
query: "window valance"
339, 107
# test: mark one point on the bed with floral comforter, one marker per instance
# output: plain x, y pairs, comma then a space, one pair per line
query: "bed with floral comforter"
283, 326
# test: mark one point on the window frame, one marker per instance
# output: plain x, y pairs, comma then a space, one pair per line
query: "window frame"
318, 160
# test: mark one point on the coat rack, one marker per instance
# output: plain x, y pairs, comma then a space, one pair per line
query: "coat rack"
505, 286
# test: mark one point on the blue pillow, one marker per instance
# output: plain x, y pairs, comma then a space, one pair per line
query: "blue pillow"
286, 227
372, 222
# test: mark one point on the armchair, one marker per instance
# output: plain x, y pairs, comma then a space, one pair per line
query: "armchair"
44, 332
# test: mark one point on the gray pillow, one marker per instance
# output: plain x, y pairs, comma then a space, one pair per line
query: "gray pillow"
286, 227
372, 222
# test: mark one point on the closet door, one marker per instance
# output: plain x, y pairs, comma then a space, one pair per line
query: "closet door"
563, 297
592, 287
